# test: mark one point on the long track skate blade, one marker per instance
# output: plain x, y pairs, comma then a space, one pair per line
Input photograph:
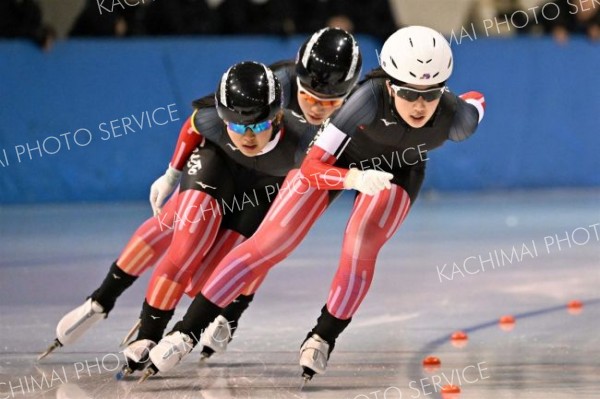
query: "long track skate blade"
307, 375
55, 345
206, 354
302, 384
126, 340
150, 371
124, 372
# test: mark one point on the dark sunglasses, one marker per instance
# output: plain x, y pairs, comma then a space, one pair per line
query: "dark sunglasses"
255, 127
410, 94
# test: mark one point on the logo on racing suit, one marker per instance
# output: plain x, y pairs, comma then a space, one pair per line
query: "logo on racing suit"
194, 164
203, 185
300, 117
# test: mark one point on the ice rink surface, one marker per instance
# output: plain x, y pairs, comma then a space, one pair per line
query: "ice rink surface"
459, 262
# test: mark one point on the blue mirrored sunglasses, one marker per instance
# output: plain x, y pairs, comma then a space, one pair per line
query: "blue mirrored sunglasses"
255, 127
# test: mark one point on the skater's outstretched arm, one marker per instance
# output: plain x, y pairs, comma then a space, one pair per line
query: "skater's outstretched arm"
189, 139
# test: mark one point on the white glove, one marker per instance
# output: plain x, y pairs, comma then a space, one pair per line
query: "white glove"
162, 188
369, 181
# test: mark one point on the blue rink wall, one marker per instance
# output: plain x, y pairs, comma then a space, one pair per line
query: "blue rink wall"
98, 120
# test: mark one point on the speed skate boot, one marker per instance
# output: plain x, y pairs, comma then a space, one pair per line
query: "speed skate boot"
319, 343
314, 354
185, 335
169, 352
152, 324
220, 332
77, 322
216, 337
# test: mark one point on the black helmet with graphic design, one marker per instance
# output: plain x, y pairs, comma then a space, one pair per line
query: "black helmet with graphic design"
329, 62
248, 93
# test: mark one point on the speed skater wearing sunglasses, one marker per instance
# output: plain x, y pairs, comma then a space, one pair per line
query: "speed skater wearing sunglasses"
255, 127
313, 99
410, 94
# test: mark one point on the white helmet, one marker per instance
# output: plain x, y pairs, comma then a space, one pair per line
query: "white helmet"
417, 55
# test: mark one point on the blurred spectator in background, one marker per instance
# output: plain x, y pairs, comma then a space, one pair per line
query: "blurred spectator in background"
575, 17
184, 17
108, 18
270, 17
23, 19
371, 17
122, 18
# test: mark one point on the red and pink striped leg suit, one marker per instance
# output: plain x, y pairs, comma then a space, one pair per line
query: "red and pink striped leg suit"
373, 220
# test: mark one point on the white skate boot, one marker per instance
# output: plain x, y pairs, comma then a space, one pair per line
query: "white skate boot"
75, 323
216, 337
168, 353
314, 353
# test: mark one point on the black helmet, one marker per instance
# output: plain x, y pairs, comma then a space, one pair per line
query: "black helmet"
329, 62
248, 93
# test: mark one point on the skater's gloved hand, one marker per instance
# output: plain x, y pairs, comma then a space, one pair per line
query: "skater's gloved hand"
162, 188
368, 182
